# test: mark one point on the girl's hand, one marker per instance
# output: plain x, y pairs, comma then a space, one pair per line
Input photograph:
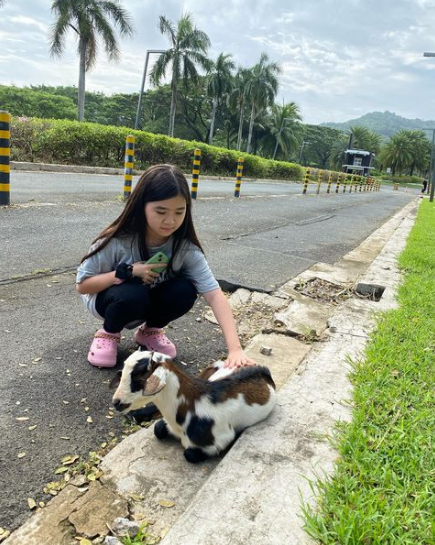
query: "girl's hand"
145, 271
237, 358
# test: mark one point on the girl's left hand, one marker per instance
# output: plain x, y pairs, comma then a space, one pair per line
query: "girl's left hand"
237, 358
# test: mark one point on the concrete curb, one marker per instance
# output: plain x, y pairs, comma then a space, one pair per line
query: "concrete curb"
253, 495
82, 169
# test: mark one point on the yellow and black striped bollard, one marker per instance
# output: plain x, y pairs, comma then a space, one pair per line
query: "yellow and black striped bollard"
352, 183
128, 165
337, 187
238, 177
346, 182
5, 156
195, 172
319, 181
328, 188
306, 181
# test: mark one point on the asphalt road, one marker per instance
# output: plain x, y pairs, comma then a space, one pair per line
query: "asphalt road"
260, 240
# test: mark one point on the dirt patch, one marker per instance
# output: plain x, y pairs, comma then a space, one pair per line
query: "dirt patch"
252, 319
325, 291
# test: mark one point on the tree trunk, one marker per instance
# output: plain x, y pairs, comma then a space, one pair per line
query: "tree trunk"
213, 115
82, 75
240, 133
172, 112
251, 128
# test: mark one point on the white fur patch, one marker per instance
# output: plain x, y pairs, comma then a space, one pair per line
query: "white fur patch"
160, 373
160, 358
221, 373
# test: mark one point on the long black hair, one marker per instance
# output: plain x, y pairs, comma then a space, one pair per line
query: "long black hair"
158, 183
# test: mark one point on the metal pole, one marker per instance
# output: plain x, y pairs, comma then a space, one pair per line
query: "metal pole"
302, 150
431, 165
142, 87
431, 168
195, 172
238, 177
5, 156
139, 104
128, 165
431, 54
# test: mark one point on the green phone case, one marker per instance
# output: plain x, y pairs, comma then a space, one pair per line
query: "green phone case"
159, 257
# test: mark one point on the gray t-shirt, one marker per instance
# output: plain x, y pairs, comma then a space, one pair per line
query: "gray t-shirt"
189, 263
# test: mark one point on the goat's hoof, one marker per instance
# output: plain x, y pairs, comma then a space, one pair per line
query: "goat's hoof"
161, 429
195, 455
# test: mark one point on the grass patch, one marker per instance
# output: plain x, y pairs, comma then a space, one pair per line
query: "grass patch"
383, 487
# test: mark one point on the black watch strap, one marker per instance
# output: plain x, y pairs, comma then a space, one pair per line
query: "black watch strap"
124, 271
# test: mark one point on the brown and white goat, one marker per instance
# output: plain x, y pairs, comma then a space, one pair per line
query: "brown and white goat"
206, 415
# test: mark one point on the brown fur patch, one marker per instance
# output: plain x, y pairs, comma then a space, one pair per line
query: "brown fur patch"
191, 388
254, 388
253, 392
207, 372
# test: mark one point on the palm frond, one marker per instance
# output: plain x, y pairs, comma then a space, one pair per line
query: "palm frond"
167, 28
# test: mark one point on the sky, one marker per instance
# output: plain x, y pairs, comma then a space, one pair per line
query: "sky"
340, 59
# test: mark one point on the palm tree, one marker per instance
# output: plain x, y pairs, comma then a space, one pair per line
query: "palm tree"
188, 48
397, 153
90, 20
364, 138
238, 99
283, 129
219, 82
420, 149
262, 89
338, 152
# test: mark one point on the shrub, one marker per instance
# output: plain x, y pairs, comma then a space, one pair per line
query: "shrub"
402, 179
71, 142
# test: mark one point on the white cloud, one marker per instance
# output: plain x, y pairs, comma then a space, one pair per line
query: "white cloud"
24, 21
340, 58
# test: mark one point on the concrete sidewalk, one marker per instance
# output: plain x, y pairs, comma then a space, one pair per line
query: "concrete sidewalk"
252, 495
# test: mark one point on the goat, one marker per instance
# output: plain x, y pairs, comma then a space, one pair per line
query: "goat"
206, 415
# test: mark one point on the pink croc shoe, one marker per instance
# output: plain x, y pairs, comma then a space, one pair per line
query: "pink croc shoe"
154, 338
104, 349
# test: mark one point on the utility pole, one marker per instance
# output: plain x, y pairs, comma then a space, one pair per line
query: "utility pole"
431, 169
431, 165
304, 143
139, 104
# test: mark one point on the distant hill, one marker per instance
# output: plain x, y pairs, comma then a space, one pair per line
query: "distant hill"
383, 123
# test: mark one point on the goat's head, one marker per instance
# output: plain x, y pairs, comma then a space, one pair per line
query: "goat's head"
142, 377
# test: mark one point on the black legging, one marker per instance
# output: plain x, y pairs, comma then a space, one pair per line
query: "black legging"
127, 302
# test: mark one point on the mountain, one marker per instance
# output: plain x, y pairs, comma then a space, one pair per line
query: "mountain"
383, 123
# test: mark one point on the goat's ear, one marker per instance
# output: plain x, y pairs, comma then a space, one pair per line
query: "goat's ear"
156, 382
158, 357
115, 381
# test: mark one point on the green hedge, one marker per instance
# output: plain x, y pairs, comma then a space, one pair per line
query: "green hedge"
402, 179
71, 142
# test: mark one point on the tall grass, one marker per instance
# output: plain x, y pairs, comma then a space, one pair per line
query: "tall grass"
383, 488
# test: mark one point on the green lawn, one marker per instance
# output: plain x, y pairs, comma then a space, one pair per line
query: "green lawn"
383, 488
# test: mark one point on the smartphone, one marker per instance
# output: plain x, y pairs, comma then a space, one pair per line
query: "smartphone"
159, 257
